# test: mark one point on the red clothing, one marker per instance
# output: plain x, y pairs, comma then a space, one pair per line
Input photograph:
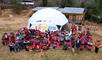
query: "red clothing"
69, 44
97, 44
30, 47
89, 47
12, 39
37, 47
5, 40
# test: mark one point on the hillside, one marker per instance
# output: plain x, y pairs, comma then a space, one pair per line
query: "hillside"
15, 23
56, 1
9, 24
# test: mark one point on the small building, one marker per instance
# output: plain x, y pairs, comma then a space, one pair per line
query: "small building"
73, 14
27, 2
38, 8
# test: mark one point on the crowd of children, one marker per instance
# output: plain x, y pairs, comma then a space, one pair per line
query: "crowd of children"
34, 40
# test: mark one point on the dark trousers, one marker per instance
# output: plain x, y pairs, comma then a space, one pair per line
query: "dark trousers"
11, 48
3, 43
16, 49
96, 49
65, 47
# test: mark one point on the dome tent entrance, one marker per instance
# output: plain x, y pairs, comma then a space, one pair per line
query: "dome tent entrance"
47, 18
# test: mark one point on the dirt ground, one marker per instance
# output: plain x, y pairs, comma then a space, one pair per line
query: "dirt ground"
9, 24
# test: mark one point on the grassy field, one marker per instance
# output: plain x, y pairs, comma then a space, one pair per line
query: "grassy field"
12, 24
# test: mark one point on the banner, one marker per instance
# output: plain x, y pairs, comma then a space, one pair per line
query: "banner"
43, 26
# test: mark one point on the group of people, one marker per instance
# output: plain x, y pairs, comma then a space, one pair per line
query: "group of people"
76, 39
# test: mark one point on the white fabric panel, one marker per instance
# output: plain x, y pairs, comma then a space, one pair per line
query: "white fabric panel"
47, 16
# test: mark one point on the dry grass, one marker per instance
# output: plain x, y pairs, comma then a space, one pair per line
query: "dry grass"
13, 24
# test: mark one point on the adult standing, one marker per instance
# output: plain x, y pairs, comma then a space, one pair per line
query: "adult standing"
5, 39
78, 44
97, 45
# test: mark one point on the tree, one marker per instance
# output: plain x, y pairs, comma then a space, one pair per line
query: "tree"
69, 3
44, 2
62, 3
95, 8
82, 4
66, 3
36, 3
1, 1
99, 6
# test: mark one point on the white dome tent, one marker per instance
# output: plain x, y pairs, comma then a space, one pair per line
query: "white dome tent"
47, 18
